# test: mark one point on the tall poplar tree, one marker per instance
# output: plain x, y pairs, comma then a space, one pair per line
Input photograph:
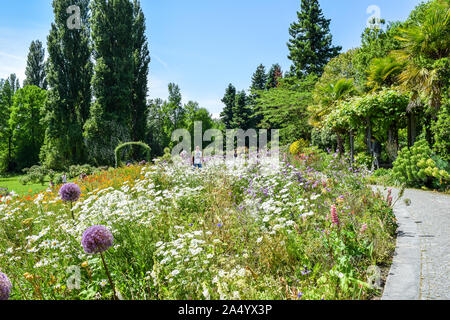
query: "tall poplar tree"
310, 44
69, 74
111, 113
35, 70
141, 60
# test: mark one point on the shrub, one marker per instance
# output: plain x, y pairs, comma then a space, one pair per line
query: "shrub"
35, 174
418, 166
442, 134
298, 146
364, 159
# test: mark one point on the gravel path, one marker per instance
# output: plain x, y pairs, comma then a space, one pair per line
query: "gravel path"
421, 267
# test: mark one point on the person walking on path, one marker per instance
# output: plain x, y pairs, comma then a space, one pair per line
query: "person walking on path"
64, 178
197, 158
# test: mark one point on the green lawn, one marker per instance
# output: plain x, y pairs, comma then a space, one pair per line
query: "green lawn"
12, 183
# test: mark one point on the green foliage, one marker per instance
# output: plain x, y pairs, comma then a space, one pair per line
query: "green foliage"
229, 100
310, 45
441, 129
26, 124
364, 160
35, 70
274, 76
139, 87
259, 78
35, 174
69, 97
242, 114
324, 138
376, 43
425, 52
419, 167
285, 107
117, 151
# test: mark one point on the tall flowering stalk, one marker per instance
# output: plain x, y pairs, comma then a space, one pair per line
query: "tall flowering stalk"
5, 287
334, 216
96, 240
70, 192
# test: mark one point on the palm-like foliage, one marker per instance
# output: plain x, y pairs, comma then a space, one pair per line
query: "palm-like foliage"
383, 72
425, 53
326, 97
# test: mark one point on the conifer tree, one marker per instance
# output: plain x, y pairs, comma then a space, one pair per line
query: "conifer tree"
259, 78
274, 76
241, 112
229, 100
310, 44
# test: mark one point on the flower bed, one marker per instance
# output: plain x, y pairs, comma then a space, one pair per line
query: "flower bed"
236, 231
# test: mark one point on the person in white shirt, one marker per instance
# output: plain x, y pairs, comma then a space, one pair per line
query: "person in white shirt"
198, 158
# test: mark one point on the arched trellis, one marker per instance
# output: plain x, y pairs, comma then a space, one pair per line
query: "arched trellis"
128, 144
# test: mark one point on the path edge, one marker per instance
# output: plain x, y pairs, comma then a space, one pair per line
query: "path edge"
403, 281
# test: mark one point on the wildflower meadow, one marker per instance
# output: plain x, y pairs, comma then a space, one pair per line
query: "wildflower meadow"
235, 229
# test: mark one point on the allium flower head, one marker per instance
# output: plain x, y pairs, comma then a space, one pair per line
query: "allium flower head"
5, 287
97, 239
70, 192
334, 216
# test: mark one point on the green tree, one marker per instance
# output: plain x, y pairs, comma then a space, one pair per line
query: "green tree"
375, 43
155, 129
35, 70
8, 90
285, 108
25, 122
310, 44
69, 74
274, 76
327, 96
110, 120
241, 112
383, 72
141, 61
259, 78
426, 53
229, 100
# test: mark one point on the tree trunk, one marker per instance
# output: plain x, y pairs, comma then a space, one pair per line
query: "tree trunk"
411, 129
340, 143
369, 136
392, 145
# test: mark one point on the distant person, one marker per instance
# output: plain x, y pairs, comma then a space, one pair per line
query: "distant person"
198, 158
51, 184
64, 179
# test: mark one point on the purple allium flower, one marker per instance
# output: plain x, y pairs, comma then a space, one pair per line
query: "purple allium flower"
70, 192
5, 287
97, 239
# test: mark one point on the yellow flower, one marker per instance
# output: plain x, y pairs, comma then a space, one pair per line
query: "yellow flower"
84, 264
28, 276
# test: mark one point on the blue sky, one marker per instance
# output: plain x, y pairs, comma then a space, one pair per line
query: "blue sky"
202, 45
